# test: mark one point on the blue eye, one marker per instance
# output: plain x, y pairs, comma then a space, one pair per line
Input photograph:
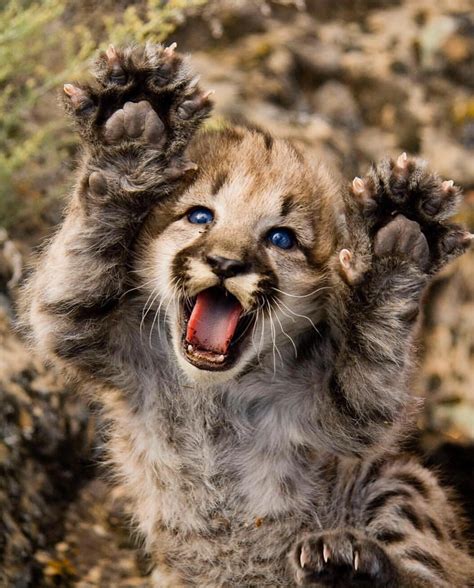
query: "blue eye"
200, 216
282, 238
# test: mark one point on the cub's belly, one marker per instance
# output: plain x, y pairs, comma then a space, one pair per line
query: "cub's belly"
231, 552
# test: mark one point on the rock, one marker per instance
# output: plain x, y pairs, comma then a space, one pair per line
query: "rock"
336, 102
45, 441
447, 156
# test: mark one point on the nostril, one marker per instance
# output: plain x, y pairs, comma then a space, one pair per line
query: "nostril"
226, 267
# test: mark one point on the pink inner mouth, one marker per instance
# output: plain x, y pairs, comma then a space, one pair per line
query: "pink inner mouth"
213, 321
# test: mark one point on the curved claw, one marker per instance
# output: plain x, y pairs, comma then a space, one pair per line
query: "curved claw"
79, 99
402, 161
189, 107
447, 185
304, 556
111, 54
117, 74
467, 239
358, 186
169, 51
326, 553
356, 560
345, 257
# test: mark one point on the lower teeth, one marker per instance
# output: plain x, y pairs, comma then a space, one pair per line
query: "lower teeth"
214, 358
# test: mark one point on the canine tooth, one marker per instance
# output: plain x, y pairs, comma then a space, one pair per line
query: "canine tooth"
220, 358
190, 348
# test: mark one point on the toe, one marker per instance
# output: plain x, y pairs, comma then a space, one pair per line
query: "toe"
79, 99
114, 127
97, 184
154, 128
116, 73
189, 107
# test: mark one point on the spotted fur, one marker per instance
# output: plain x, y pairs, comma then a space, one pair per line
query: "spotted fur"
253, 475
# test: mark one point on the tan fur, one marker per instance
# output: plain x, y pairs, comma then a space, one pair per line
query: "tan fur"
238, 477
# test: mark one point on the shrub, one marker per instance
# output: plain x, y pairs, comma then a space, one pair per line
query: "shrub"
43, 44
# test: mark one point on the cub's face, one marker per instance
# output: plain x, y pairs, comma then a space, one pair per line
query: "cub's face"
238, 266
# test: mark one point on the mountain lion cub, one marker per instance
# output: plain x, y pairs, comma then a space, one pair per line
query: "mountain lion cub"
247, 324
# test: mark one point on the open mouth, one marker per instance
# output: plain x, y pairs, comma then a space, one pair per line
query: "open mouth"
215, 329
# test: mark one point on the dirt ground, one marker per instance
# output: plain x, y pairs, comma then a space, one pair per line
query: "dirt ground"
352, 81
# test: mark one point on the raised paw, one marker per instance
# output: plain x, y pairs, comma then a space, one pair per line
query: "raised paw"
143, 95
342, 558
406, 188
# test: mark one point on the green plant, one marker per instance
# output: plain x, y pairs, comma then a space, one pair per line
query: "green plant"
43, 44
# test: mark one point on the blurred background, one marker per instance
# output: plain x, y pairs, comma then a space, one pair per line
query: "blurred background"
352, 80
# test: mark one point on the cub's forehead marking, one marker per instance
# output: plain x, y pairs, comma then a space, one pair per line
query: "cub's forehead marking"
219, 180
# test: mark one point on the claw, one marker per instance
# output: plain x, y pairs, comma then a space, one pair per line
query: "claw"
178, 168
169, 51
358, 186
71, 90
467, 238
356, 560
189, 107
190, 166
326, 553
79, 98
300, 576
304, 556
402, 161
447, 185
117, 75
194, 82
111, 54
345, 257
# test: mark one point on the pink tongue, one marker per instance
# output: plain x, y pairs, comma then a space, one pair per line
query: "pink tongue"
213, 320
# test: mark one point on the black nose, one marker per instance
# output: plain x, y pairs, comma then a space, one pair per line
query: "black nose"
225, 267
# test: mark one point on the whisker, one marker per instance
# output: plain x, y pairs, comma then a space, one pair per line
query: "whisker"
137, 287
156, 316
301, 316
286, 334
147, 307
302, 295
275, 300
253, 334
262, 334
